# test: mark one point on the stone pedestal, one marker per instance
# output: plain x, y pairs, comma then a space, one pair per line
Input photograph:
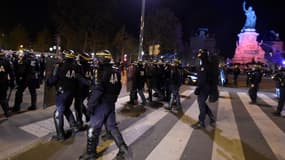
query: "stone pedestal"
248, 49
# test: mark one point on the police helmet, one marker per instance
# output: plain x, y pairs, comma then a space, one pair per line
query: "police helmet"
86, 57
69, 54
176, 61
104, 56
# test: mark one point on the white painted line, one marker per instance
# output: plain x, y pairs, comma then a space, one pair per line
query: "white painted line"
226, 128
272, 134
35, 130
44, 127
268, 100
173, 144
132, 133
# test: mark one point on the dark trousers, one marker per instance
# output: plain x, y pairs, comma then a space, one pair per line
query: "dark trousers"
63, 103
253, 93
3, 98
281, 99
149, 87
175, 97
19, 94
104, 114
80, 107
204, 108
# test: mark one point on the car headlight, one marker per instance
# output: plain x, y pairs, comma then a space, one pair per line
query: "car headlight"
193, 77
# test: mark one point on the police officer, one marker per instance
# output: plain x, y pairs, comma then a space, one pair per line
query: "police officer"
280, 78
175, 81
6, 79
101, 105
65, 79
149, 79
87, 74
166, 83
236, 72
132, 83
140, 79
254, 80
203, 90
27, 75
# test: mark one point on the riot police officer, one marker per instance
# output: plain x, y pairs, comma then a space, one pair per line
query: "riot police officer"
101, 105
65, 79
6, 79
27, 75
280, 78
132, 83
203, 90
175, 81
149, 79
87, 74
140, 76
254, 80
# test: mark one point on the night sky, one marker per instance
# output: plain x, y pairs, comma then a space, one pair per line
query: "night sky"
224, 18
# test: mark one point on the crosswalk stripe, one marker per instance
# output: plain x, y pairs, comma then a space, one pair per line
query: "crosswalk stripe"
273, 136
44, 127
268, 100
172, 145
226, 127
132, 133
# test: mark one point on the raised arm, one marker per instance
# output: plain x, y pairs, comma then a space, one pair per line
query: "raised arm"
243, 6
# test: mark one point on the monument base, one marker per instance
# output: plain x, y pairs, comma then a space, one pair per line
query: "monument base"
248, 49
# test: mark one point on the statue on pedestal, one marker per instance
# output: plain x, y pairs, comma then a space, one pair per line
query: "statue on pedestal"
250, 18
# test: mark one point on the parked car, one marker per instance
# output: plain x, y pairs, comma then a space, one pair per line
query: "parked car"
190, 76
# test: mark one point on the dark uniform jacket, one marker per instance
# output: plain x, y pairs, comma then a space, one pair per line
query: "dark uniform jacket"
6, 73
65, 76
107, 87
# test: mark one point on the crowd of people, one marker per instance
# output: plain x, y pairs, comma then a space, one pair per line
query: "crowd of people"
80, 77
21, 70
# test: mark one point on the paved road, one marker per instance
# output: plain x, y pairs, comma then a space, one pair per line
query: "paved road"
243, 131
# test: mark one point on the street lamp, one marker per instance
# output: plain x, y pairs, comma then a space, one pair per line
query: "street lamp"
141, 31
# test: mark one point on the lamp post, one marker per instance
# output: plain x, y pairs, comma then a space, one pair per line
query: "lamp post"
141, 31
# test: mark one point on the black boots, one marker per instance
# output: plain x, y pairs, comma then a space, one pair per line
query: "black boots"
92, 142
5, 107
198, 125
124, 153
58, 123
